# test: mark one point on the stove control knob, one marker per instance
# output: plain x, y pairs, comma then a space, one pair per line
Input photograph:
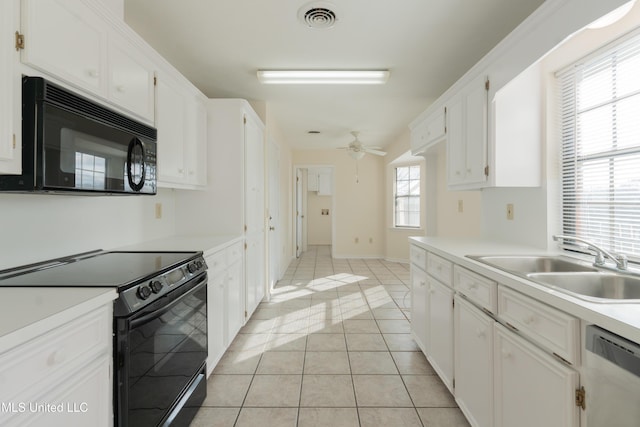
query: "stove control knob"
144, 292
192, 268
200, 264
156, 286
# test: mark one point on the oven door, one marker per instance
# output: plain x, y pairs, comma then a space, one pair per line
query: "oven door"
160, 353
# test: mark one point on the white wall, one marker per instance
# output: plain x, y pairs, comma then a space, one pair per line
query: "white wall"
318, 225
40, 227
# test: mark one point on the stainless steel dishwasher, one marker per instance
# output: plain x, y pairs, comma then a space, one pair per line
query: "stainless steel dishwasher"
612, 379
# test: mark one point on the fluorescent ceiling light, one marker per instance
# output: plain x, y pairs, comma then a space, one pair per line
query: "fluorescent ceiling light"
311, 77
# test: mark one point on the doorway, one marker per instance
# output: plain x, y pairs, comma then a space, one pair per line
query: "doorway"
314, 207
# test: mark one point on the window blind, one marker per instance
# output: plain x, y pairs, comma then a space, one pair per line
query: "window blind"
407, 196
600, 133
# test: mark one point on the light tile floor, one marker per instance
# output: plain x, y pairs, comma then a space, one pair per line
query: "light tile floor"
331, 348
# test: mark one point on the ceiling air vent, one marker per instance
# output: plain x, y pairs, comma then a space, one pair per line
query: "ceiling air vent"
318, 15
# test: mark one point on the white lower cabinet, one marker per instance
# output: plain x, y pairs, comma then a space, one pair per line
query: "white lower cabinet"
523, 375
62, 377
225, 304
440, 350
532, 389
419, 307
473, 362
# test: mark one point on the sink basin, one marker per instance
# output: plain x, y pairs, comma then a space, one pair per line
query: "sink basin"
534, 264
593, 286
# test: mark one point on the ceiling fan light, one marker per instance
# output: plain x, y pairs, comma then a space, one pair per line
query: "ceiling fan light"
356, 155
323, 76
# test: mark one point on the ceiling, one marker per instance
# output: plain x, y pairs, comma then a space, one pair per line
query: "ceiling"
426, 44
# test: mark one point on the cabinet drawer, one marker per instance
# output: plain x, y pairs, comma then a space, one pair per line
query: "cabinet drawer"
418, 257
551, 328
439, 268
216, 263
234, 253
55, 353
476, 288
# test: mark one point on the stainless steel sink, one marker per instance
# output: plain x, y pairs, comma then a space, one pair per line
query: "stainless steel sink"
593, 286
534, 264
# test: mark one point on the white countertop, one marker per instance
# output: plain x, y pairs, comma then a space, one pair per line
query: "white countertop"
204, 243
620, 318
26, 313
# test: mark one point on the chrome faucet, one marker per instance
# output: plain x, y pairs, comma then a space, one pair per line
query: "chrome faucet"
601, 254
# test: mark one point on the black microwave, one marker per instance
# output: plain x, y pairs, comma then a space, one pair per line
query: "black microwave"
72, 144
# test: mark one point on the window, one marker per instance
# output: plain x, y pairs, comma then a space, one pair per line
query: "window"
407, 196
600, 100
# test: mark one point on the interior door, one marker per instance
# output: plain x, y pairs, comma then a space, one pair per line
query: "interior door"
299, 214
274, 214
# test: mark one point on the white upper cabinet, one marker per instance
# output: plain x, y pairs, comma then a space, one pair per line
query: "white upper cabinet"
66, 39
10, 99
131, 77
170, 122
70, 41
506, 123
196, 141
429, 131
467, 136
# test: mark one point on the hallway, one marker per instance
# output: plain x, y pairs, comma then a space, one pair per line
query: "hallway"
331, 348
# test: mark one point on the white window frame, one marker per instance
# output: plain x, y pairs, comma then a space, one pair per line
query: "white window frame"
395, 195
600, 200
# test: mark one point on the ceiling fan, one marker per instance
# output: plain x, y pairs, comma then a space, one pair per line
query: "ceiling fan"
357, 151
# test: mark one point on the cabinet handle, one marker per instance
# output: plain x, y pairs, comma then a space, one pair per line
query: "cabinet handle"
93, 73
423, 283
506, 353
473, 286
55, 358
180, 171
480, 333
120, 88
458, 173
529, 319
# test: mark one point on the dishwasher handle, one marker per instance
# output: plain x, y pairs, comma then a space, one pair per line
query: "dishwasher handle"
614, 348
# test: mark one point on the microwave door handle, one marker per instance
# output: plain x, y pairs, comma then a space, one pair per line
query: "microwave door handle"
135, 142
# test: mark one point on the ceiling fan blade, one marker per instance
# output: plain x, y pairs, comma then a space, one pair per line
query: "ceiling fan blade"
376, 152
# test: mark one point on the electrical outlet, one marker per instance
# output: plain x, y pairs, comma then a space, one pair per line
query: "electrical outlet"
357, 240
158, 210
370, 239
510, 211
460, 206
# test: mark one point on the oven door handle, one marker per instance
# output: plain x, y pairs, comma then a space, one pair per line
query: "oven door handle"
159, 312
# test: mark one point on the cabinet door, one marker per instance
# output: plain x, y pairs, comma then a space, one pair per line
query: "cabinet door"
170, 122
420, 307
10, 100
324, 183
215, 320
130, 78
440, 350
196, 142
235, 301
66, 39
455, 142
312, 179
476, 132
532, 388
255, 281
473, 363
254, 213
